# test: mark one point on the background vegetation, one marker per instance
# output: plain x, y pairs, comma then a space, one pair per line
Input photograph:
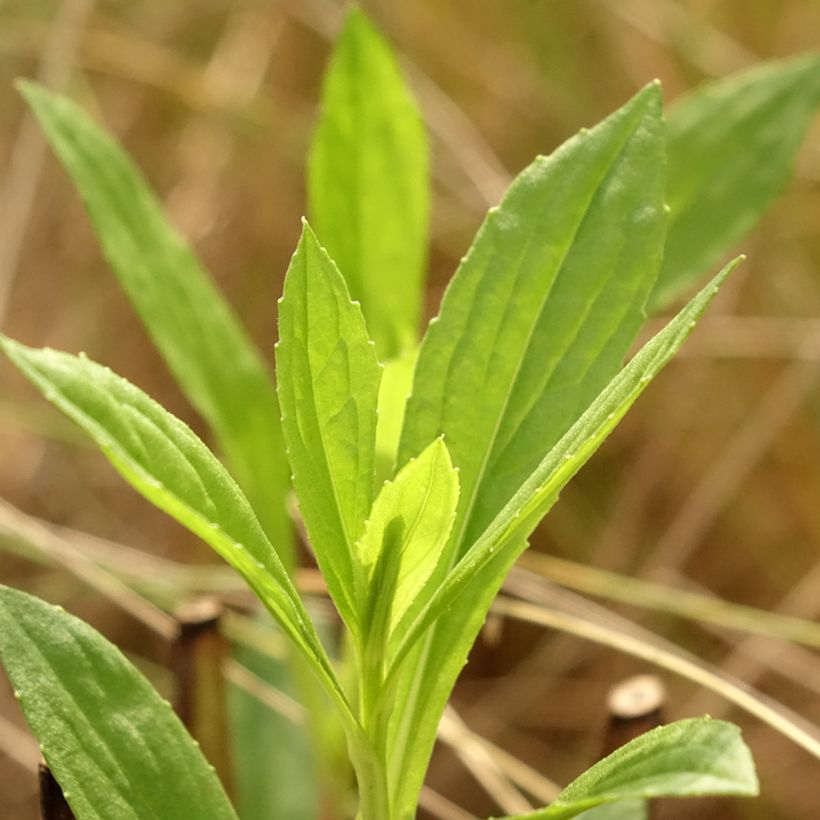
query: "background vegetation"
710, 485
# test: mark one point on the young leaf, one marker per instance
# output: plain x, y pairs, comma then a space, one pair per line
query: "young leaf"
368, 183
689, 758
395, 387
115, 747
328, 381
731, 146
203, 343
418, 506
543, 309
165, 462
274, 764
467, 592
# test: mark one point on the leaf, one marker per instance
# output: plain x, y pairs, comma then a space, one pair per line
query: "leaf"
689, 758
275, 770
206, 348
116, 748
328, 381
459, 606
543, 309
537, 319
622, 810
731, 146
418, 506
167, 464
368, 183
394, 390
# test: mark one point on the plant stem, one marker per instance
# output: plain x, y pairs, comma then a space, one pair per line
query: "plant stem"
370, 755
374, 803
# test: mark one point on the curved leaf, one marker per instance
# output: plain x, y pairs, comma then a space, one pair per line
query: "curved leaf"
165, 462
689, 758
206, 348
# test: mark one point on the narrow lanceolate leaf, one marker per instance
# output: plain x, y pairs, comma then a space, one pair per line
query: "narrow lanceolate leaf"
731, 146
328, 382
368, 183
466, 594
116, 748
543, 309
537, 319
689, 758
406, 534
164, 461
205, 346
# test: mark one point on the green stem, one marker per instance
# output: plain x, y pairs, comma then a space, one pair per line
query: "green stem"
370, 752
374, 802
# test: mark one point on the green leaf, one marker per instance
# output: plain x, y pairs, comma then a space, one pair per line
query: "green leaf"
407, 531
689, 758
459, 606
328, 381
275, 770
368, 183
543, 309
165, 462
115, 747
622, 810
537, 319
731, 146
396, 384
206, 348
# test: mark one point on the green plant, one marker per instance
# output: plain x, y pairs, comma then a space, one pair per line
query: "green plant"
537, 322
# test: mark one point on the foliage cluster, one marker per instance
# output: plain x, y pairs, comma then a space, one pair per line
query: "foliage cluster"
415, 509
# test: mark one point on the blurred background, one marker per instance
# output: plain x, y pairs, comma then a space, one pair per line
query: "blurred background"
710, 486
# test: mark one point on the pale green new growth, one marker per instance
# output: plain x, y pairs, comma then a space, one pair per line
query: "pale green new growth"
731, 146
368, 186
407, 531
204, 344
117, 749
688, 758
328, 382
